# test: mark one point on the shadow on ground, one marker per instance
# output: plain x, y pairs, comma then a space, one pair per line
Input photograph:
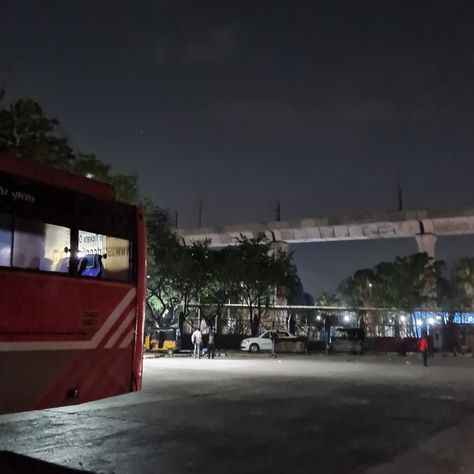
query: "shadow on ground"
12, 463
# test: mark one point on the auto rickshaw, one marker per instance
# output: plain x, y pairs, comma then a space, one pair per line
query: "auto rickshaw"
164, 340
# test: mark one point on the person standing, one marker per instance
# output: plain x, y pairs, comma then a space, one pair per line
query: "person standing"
307, 345
275, 342
423, 347
211, 345
196, 339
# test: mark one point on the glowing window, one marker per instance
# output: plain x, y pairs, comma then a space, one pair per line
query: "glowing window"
103, 256
40, 246
5, 240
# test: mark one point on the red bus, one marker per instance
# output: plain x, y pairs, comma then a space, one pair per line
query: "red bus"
72, 289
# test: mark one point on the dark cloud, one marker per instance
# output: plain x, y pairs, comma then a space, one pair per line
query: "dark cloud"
209, 46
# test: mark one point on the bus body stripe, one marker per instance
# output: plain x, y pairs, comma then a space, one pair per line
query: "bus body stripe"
116, 313
18, 346
121, 329
127, 341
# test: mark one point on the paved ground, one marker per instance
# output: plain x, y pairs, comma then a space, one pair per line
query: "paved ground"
295, 414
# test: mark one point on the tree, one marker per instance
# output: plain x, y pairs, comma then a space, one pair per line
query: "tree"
414, 281
25, 132
260, 273
462, 283
358, 291
126, 186
221, 285
414, 284
193, 273
165, 256
177, 274
329, 299
458, 295
406, 284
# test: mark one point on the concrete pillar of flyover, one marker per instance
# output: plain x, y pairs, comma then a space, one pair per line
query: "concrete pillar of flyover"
427, 243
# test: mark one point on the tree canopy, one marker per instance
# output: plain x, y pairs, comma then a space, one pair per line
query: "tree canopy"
250, 272
27, 132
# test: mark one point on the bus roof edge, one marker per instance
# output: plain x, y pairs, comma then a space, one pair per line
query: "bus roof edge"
50, 176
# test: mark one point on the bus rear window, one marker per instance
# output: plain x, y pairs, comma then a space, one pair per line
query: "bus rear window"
40, 246
5, 240
104, 256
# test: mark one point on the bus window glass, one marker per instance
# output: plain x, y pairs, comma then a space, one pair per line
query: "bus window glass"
28, 244
103, 256
117, 263
57, 239
40, 246
5, 240
90, 244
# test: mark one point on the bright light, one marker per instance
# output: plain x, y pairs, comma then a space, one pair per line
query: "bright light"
403, 319
89, 175
419, 322
346, 318
431, 321
318, 318
370, 284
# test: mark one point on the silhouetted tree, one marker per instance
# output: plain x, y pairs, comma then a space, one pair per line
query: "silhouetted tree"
260, 273
27, 132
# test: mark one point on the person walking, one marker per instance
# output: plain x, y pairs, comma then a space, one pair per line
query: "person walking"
423, 347
211, 345
196, 339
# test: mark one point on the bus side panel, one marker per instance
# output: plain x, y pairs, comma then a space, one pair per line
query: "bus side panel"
90, 375
64, 340
46, 379
25, 375
141, 295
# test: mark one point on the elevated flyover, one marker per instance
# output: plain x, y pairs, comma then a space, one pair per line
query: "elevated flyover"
423, 225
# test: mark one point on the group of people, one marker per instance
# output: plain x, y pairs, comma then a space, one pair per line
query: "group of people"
197, 341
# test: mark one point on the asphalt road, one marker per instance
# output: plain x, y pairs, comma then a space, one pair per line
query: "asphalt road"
253, 415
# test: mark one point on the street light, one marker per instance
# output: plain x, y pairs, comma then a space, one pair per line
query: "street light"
403, 318
346, 318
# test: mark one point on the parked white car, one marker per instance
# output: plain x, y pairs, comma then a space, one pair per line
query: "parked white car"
264, 342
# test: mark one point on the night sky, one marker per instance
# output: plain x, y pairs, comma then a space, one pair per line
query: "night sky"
320, 104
